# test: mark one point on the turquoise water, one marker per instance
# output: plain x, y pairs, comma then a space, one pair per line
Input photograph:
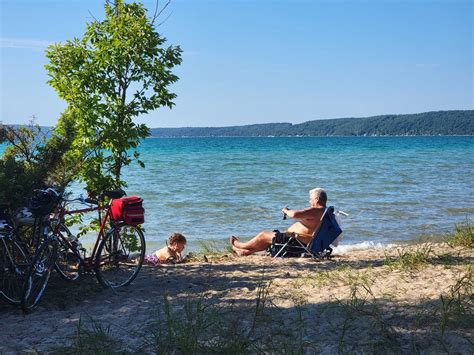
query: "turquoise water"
394, 188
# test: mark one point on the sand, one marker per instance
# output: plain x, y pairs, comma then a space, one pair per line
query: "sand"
354, 302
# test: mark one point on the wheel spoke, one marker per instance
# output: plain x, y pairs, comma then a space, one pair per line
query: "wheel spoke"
68, 263
13, 264
38, 275
120, 257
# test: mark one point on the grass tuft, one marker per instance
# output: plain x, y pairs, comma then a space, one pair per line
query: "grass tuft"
409, 258
463, 235
209, 247
209, 251
458, 304
95, 339
362, 308
200, 327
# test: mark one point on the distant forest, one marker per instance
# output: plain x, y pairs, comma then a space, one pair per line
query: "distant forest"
428, 123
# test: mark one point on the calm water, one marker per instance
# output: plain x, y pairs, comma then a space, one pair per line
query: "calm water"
394, 188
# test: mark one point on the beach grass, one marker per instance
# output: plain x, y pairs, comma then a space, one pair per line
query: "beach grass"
95, 338
408, 299
457, 305
210, 251
209, 247
199, 324
463, 235
410, 258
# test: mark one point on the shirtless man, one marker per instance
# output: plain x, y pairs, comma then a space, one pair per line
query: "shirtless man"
309, 221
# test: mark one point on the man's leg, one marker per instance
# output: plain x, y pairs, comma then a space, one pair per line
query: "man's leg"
258, 243
242, 252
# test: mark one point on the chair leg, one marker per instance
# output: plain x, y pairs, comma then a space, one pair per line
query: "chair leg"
281, 249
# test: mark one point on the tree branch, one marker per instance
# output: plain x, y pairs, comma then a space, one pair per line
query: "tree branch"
158, 13
90, 13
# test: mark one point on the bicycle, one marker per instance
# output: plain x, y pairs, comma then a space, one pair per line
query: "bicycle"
14, 259
116, 258
45, 246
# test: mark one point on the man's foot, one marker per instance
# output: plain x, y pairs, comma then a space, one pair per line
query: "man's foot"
232, 239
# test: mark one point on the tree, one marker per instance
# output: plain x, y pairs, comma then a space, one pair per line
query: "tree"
32, 161
116, 72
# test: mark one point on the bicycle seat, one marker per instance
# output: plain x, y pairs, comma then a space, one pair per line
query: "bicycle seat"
115, 193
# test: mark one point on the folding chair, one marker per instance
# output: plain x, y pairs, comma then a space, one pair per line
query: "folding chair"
319, 245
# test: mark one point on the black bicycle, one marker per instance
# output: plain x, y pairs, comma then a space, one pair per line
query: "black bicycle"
46, 246
14, 259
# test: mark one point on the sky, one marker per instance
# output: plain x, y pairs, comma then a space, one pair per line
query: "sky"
260, 61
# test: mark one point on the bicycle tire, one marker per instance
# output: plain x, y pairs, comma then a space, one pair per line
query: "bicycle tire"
14, 263
68, 264
38, 274
120, 256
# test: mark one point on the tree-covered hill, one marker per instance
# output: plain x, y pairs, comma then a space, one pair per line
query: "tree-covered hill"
428, 123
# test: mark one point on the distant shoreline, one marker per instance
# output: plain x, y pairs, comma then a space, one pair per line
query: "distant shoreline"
429, 124
436, 123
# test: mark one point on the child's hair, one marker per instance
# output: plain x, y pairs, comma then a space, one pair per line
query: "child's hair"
177, 238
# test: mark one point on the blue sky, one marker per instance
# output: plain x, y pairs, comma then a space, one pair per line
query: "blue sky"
257, 61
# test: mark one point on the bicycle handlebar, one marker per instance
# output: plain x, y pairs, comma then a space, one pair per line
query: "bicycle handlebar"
91, 201
49, 191
80, 199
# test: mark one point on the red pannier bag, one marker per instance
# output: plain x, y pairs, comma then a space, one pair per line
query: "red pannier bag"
128, 209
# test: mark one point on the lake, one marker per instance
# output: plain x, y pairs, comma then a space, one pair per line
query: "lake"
394, 188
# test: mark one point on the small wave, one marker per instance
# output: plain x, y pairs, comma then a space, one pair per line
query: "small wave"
345, 248
460, 211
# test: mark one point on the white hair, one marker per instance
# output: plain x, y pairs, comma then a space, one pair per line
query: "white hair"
318, 194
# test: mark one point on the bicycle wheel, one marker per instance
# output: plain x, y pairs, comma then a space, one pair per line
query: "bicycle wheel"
68, 263
14, 262
120, 256
38, 273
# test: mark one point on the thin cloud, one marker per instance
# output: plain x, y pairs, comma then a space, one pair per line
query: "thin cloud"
18, 43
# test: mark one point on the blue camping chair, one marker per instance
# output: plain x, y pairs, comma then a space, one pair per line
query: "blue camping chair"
320, 244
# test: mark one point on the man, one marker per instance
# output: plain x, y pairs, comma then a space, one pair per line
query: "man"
309, 221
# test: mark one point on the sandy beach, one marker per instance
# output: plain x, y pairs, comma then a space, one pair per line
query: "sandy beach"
405, 299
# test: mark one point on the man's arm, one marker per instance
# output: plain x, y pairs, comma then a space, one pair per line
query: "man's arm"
299, 214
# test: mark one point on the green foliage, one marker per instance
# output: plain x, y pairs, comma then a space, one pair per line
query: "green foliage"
200, 327
97, 339
458, 304
210, 247
32, 161
118, 70
463, 236
428, 123
410, 259
130, 239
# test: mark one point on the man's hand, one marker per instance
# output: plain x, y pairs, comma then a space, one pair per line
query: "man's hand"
285, 212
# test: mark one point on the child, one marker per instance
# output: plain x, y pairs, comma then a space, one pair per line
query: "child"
171, 253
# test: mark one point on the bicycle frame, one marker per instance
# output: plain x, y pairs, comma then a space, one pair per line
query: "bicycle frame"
88, 262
